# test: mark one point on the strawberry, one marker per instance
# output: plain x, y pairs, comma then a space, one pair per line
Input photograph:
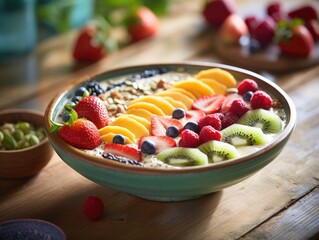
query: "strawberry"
161, 142
209, 133
81, 133
294, 39
209, 104
265, 31
143, 25
274, 10
228, 100
232, 29
194, 115
305, 12
93, 42
160, 124
216, 11
93, 208
93, 109
126, 151
189, 139
313, 28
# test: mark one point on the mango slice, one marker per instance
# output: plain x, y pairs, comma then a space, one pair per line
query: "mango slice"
165, 106
140, 113
117, 130
218, 87
197, 88
108, 138
147, 106
138, 129
178, 97
219, 75
176, 104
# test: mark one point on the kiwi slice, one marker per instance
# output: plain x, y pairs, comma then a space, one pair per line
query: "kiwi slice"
217, 151
242, 135
182, 157
267, 121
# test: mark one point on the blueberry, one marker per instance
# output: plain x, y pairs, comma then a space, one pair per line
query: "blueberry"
148, 147
247, 96
172, 131
178, 113
119, 139
81, 91
193, 126
66, 117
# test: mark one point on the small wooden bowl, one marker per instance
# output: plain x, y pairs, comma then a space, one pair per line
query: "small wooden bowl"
28, 161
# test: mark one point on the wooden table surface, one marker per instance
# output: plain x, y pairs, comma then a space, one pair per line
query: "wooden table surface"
279, 202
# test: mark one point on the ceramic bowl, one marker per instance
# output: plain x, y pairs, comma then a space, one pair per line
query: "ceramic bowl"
34, 229
170, 184
28, 161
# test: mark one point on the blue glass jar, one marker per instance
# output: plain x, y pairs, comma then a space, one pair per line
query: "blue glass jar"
18, 30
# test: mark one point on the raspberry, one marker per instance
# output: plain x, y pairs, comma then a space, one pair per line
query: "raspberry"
211, 120
189, 139
247, 85
261, 99
93, 208
209, 133
238, 107
229, 119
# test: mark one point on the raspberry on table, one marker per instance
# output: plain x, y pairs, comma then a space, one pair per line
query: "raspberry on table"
261, 99
189, 139
247, 85
93, 208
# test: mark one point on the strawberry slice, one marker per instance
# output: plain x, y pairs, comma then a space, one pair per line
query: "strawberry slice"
160, 124
123, 151
194, 115
209, 104
161, 142
228, 101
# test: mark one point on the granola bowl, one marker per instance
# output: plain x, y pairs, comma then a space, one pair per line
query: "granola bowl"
176, 183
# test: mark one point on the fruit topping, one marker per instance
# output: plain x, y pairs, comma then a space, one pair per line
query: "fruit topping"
160, 143
146, 106
242, 135
217, 151
161, 103
93, 109
267, 121
183, 157
220, 75
93, 208
189, 139
195, 87
209, 104
117, 130
238, 107
213, 120
172, 132
119, 139
247, 96
261, 99
194, 115
160, 124
126, 151
178, 113
229, 119
208, 133
247, 85
193, 126
137, 128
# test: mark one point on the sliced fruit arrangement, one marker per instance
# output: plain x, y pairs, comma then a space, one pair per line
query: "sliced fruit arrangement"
192, 122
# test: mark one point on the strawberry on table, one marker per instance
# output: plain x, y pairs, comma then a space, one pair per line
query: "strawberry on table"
232, 29
93, 109
143, 25
126, 151
313, 28
209, 104
93, 208
216, 11
294, 39
305, 12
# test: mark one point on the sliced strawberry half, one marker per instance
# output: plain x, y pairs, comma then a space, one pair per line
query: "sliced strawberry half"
161, 142
123, 151
160, 124
209, 104
194, 115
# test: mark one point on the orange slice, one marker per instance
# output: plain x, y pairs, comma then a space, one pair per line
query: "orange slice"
138, 129
147, 106
141, 113
165, 106
218, 87
197, 88
117, 130
219, 75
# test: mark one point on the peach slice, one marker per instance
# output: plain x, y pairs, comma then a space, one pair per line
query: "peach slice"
176, 104
165, 106
141, 120
138, 129
219, 75
147, 106
117, 130
178, 97
182, 90
141, 113
108, 138
218, 87
196, 87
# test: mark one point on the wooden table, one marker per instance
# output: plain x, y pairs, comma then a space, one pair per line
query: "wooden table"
279, 202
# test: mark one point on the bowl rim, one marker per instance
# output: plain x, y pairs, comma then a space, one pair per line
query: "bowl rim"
28, 112
125, 168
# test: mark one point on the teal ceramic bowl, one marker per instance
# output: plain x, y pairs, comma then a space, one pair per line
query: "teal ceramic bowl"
171, 184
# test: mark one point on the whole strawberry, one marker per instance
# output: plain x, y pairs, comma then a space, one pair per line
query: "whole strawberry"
93, 208
81, 133
93, 109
